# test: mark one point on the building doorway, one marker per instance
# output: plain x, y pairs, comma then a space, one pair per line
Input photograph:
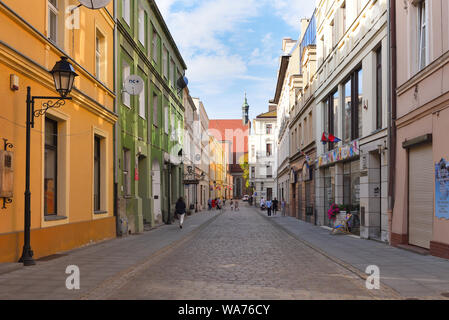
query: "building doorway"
156, 188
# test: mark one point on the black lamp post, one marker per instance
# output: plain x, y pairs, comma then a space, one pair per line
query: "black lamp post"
63, 76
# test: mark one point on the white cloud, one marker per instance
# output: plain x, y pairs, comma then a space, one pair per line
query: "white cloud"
292, 11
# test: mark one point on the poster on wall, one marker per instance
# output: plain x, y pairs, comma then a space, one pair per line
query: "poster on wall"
442, 189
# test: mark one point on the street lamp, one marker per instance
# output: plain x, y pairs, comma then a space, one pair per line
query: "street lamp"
63, 76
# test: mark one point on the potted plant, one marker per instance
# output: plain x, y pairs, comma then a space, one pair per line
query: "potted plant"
333, 212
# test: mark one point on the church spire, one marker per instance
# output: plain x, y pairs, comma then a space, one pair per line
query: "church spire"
245, 111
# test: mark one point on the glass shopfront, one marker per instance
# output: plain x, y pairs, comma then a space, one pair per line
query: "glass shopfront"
351, 192
329, 192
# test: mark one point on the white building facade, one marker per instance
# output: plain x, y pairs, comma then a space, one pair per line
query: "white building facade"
262, 156
351, 104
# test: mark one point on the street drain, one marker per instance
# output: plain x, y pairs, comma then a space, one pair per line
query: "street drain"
445, 294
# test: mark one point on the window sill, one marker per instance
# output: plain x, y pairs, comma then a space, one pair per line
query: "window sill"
54, 218
100, 212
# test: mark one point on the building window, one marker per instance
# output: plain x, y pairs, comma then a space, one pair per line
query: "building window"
100, 65
51, 167
155, 47
155, 107
127, 172
269, 128
379, 88
143, 102
269, 149
172, 72
253, 150
126, 11
97, 173
269, 172
165, 62
253, 172
353, 93
126, 73
343, 18
166, 120
142, 29
331, 112
53, 17
422, 37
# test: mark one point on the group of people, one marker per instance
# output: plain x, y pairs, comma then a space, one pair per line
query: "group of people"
219, 203
272, 206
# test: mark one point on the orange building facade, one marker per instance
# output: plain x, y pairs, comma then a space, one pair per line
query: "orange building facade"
72, 167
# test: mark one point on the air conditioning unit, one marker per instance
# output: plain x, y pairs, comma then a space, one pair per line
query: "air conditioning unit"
6, 174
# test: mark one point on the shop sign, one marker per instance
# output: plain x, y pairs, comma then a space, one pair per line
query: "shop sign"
340, 154
442, 189
306, 172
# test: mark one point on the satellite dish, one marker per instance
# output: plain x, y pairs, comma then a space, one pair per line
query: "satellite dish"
94, 4
134, 85
182, 82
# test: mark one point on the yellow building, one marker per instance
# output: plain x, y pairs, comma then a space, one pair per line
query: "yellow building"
218, 169
72, 168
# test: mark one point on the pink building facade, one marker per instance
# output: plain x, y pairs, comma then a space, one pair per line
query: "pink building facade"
420, 215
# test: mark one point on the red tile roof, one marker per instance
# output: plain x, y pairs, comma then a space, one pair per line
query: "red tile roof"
231, 130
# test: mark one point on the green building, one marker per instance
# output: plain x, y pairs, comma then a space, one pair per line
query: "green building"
148, 133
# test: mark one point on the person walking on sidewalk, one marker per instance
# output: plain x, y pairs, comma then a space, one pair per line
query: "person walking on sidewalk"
269, 204
181, 211
236, 205
283, 204
262, 204
209, 203
275, 206
232, 204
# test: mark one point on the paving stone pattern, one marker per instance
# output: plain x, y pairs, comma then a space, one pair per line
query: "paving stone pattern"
241, 255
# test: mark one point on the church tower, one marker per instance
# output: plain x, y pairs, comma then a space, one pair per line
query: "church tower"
245, 111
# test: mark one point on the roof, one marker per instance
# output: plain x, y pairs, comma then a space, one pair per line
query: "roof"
269, 114
231, 130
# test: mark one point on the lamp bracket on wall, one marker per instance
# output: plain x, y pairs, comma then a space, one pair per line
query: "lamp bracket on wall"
6, 145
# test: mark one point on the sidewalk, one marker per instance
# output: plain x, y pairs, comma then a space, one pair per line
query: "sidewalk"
98, 263
410, 274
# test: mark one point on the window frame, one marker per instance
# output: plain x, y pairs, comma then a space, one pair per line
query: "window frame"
53, 147
379, 93
97, 175
52, 9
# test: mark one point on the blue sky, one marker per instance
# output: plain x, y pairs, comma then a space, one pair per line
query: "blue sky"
233, 46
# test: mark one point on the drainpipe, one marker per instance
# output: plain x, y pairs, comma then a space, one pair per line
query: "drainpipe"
116, 131
392, 106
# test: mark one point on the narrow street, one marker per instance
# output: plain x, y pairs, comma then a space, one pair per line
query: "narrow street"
240, 255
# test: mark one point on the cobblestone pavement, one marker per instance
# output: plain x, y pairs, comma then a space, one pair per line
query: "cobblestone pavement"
98, 264
241, 255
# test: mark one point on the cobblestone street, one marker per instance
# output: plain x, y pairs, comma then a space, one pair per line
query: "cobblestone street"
241, 255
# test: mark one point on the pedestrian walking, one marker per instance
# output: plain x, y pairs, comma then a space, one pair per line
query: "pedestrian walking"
262, 203
232, 204
283, 205
275, 206
236, 205
214, 203
181, 211
218, 204
268, 205
209, 203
